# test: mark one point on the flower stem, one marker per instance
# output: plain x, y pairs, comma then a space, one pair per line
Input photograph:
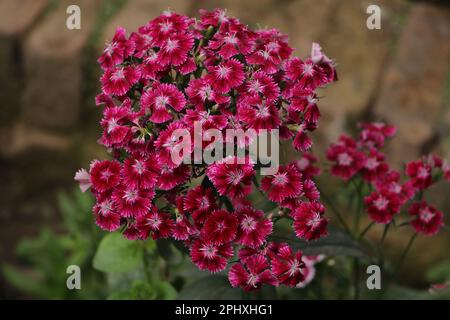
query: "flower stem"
335, 211
404, 254
363, 233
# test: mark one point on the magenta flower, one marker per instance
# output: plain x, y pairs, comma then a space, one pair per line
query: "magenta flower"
286, 183
253, 227
288, 266
220, 227
160, 100
227, 75
208, 256
252, 274
309, 223
427, 219
231, 178
382, 206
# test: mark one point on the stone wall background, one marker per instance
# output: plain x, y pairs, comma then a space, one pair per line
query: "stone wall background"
49, 76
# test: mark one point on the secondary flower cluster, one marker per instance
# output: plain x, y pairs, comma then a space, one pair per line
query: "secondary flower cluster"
175, 71
363, 157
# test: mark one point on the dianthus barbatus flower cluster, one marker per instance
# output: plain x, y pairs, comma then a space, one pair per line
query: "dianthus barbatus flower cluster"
175, 71
363, 158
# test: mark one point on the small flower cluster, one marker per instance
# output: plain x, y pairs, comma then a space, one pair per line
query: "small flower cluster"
363, 157
175, 71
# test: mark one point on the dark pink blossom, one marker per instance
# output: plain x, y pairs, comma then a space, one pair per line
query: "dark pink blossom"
309, 223
427, 219
252, 274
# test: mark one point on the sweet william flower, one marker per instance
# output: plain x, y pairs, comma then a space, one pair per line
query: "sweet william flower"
226, 76
427, 219
253, 227
286, 183
287, 266
84, 179
209, 256
420, 174
104, 175
160, 100
132, 202
117, 50
139, 172
154, 223
309, 223
200, 202
382, 206
119, 80
220, 227
231, 177
252, 275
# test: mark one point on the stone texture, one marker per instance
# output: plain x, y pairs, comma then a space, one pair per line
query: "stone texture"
16, 18
412, 91
53, 67
360, 55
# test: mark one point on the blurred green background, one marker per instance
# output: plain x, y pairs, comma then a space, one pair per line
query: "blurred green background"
49, 123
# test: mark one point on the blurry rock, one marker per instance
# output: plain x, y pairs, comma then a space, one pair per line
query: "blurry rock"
16, 18
411, 93
360, 55
53, 68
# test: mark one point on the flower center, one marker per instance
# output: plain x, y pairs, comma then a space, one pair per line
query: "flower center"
280, 179
314, 221
235, 177
130, 195
138, 167
381, 203
161, 101
118, 75
422, 173
344, 159
248, 224
171, 45
253, 280
223, 71
372, 163
209, 251
426, 215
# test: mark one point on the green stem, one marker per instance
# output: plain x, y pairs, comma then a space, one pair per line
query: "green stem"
404, 253
335, 211
363, 233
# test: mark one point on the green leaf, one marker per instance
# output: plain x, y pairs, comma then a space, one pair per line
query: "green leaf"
439, 272
337, 243
117, 254
25, 283
210, 288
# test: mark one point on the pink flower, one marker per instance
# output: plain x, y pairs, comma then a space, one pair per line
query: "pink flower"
271, 51
231, 178
390, 182
446, 170
427, 219
105, 175
262, 85
140, 172
305, 101
174, 50
257, 114
201, 92
253, 227
220, 227
382, 206
116, 131
305, 164
154, 223
200, 202
106, 216
308, 74
208, 256
232, 38
309, 270
172, 177
309, 223
287, 266
160, 100
252, 274
119, 80
116, 51
347, 160
286, 183
84, 179
420, 174
132, 202
374, 166
227, 75
374, 134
